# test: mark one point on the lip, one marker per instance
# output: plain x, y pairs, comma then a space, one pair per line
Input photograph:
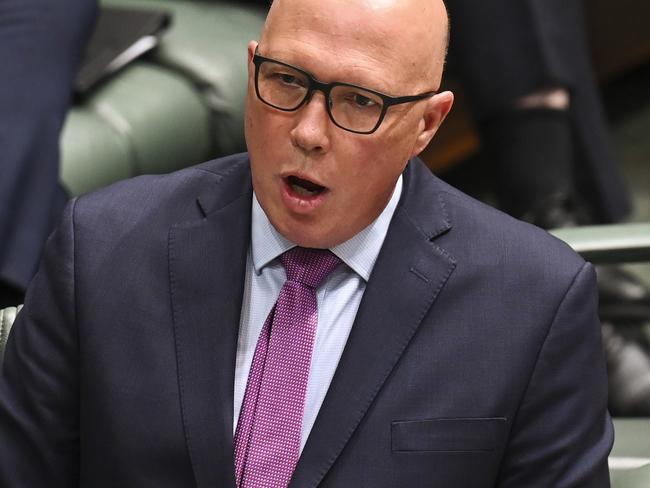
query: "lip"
302, 204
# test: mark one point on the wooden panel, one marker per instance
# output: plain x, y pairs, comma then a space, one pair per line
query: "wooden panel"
619, 33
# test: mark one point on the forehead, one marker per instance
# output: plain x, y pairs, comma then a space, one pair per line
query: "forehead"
344, 41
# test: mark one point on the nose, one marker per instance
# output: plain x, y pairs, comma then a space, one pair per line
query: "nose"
311, 130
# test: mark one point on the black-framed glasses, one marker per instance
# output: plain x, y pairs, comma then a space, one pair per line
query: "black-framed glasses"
350, 107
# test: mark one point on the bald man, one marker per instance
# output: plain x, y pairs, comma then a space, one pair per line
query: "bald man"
321, 311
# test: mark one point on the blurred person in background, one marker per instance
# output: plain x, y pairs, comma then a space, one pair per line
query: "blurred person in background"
41, 43
526, 69
525, 66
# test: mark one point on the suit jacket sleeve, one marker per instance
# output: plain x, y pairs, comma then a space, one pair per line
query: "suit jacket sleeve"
556, 441
39, 433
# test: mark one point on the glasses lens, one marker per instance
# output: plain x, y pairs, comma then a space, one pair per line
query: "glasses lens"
354, 108
281, 86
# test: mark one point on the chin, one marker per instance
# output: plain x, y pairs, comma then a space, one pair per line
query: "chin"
308, 239
304, 236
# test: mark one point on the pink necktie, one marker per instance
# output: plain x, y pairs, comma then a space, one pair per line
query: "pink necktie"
267, 438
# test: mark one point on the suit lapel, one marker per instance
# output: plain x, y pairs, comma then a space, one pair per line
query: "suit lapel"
207, 262
408, 275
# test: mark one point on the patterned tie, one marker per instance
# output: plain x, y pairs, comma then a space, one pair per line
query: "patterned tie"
267, 439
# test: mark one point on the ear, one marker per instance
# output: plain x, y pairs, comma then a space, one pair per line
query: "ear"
435, 111
252, 46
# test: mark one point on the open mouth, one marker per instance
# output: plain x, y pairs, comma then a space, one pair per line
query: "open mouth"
304, 188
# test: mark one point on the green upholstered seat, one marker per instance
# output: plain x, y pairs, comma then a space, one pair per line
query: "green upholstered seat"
146, 120
93, 153
207, 43
617, 243
631, 478
180, 105
629, 462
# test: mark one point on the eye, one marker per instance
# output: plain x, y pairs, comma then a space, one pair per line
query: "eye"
288, 79
359, 100
362, 101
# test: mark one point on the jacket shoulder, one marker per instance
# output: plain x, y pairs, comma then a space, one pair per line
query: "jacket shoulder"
168, 197
481, 238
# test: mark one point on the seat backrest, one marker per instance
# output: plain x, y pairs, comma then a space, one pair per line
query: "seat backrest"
631, 478
629, 461
7, 317
616, 243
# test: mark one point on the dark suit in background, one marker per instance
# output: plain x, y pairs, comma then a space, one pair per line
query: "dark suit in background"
40, 47
475, 359
554, 167
510, 48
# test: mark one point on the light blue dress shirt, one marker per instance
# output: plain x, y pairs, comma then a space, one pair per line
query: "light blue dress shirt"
338, 299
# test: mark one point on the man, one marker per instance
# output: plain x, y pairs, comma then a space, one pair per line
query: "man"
454, 345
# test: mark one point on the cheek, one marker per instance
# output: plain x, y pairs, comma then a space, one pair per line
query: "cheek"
249, 128
383, 161
269, 130
364, 165
259, 137
403, 134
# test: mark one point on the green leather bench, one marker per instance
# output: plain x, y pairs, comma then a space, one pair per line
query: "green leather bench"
179, 105
629, 461
617, 243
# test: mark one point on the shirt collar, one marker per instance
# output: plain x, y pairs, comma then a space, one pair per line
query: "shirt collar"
359, 252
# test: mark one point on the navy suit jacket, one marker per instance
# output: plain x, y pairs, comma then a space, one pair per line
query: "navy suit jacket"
475, 359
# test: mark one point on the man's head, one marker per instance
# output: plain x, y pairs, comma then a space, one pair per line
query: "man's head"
318, 183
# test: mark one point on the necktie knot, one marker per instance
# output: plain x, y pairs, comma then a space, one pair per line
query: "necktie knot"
309, 266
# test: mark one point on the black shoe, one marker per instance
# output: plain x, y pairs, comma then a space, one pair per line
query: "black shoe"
628, 372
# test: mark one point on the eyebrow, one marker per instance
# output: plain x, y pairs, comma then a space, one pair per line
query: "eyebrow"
310, 73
